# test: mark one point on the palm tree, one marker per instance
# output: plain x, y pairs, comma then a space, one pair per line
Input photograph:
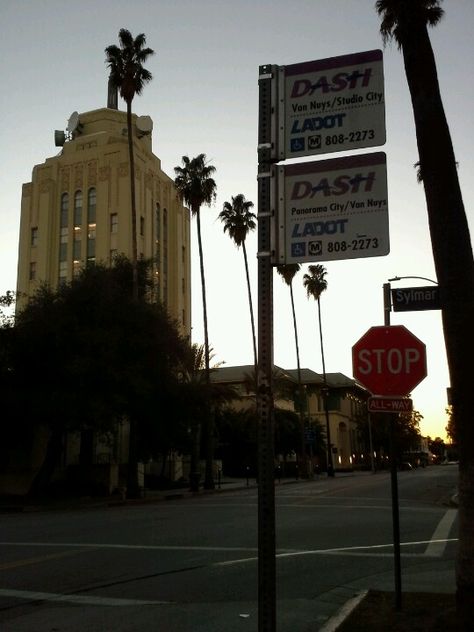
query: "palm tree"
239, 220
128, 75
288, 272
315, 284
406, 21
195, 186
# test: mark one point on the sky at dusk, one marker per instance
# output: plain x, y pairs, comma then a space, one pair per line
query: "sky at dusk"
204, 99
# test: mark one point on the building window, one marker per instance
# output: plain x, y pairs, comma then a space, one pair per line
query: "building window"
165, 241
114, 222
142, 226
91, 241
32, 270
64, 210
76, 254
91, 223
78, 208
91, 206
62, 271
34, 236
63, 239
158, 223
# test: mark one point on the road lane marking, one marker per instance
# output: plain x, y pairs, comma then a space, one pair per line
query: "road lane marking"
147, 547
78, 599
367, 550
38, 559
438, 540
350, 550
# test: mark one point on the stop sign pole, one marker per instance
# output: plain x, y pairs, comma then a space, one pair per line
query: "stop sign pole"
390, 361
397, 564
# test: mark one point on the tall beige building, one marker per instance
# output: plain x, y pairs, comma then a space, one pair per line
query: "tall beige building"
76, 210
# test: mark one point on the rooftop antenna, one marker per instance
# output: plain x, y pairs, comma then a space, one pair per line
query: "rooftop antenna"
144, 126
59, 137
74, 126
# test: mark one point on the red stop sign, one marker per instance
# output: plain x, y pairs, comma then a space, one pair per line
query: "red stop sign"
389, 360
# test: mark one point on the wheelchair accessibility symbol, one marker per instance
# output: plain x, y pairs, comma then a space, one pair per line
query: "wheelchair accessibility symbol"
298, 249
315, 248
297, 144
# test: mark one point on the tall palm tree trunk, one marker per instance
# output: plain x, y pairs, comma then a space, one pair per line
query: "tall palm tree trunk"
209, 425
252, 320
305, 470
132, 469
325, 397
452, 253
133, 204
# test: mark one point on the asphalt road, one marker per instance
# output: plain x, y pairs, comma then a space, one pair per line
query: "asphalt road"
190, 565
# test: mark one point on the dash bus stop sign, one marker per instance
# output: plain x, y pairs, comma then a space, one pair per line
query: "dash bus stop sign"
389, 360
331, 209
333, 104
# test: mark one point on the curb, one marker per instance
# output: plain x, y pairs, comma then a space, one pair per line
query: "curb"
334, 622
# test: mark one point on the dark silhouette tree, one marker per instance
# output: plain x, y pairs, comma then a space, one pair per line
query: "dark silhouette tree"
407, 21
238, 221
315, 284
196, 187
84, 356
288, 272
125, 63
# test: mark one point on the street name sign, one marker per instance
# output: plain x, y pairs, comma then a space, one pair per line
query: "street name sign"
333, 104
389, 360
389, 405
331, 209
412, 299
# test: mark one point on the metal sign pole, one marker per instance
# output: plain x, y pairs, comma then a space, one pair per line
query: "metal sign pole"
266, 484
393, 475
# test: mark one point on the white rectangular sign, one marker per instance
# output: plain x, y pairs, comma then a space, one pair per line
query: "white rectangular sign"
332, 209
329, 105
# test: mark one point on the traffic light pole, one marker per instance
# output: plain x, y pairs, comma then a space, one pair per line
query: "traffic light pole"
393, 475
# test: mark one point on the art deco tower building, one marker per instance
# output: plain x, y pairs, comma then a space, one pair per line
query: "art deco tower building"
76, 210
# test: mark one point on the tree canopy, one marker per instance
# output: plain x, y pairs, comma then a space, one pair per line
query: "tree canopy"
87, 355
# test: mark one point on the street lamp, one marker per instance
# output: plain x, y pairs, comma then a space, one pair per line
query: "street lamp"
398, 278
